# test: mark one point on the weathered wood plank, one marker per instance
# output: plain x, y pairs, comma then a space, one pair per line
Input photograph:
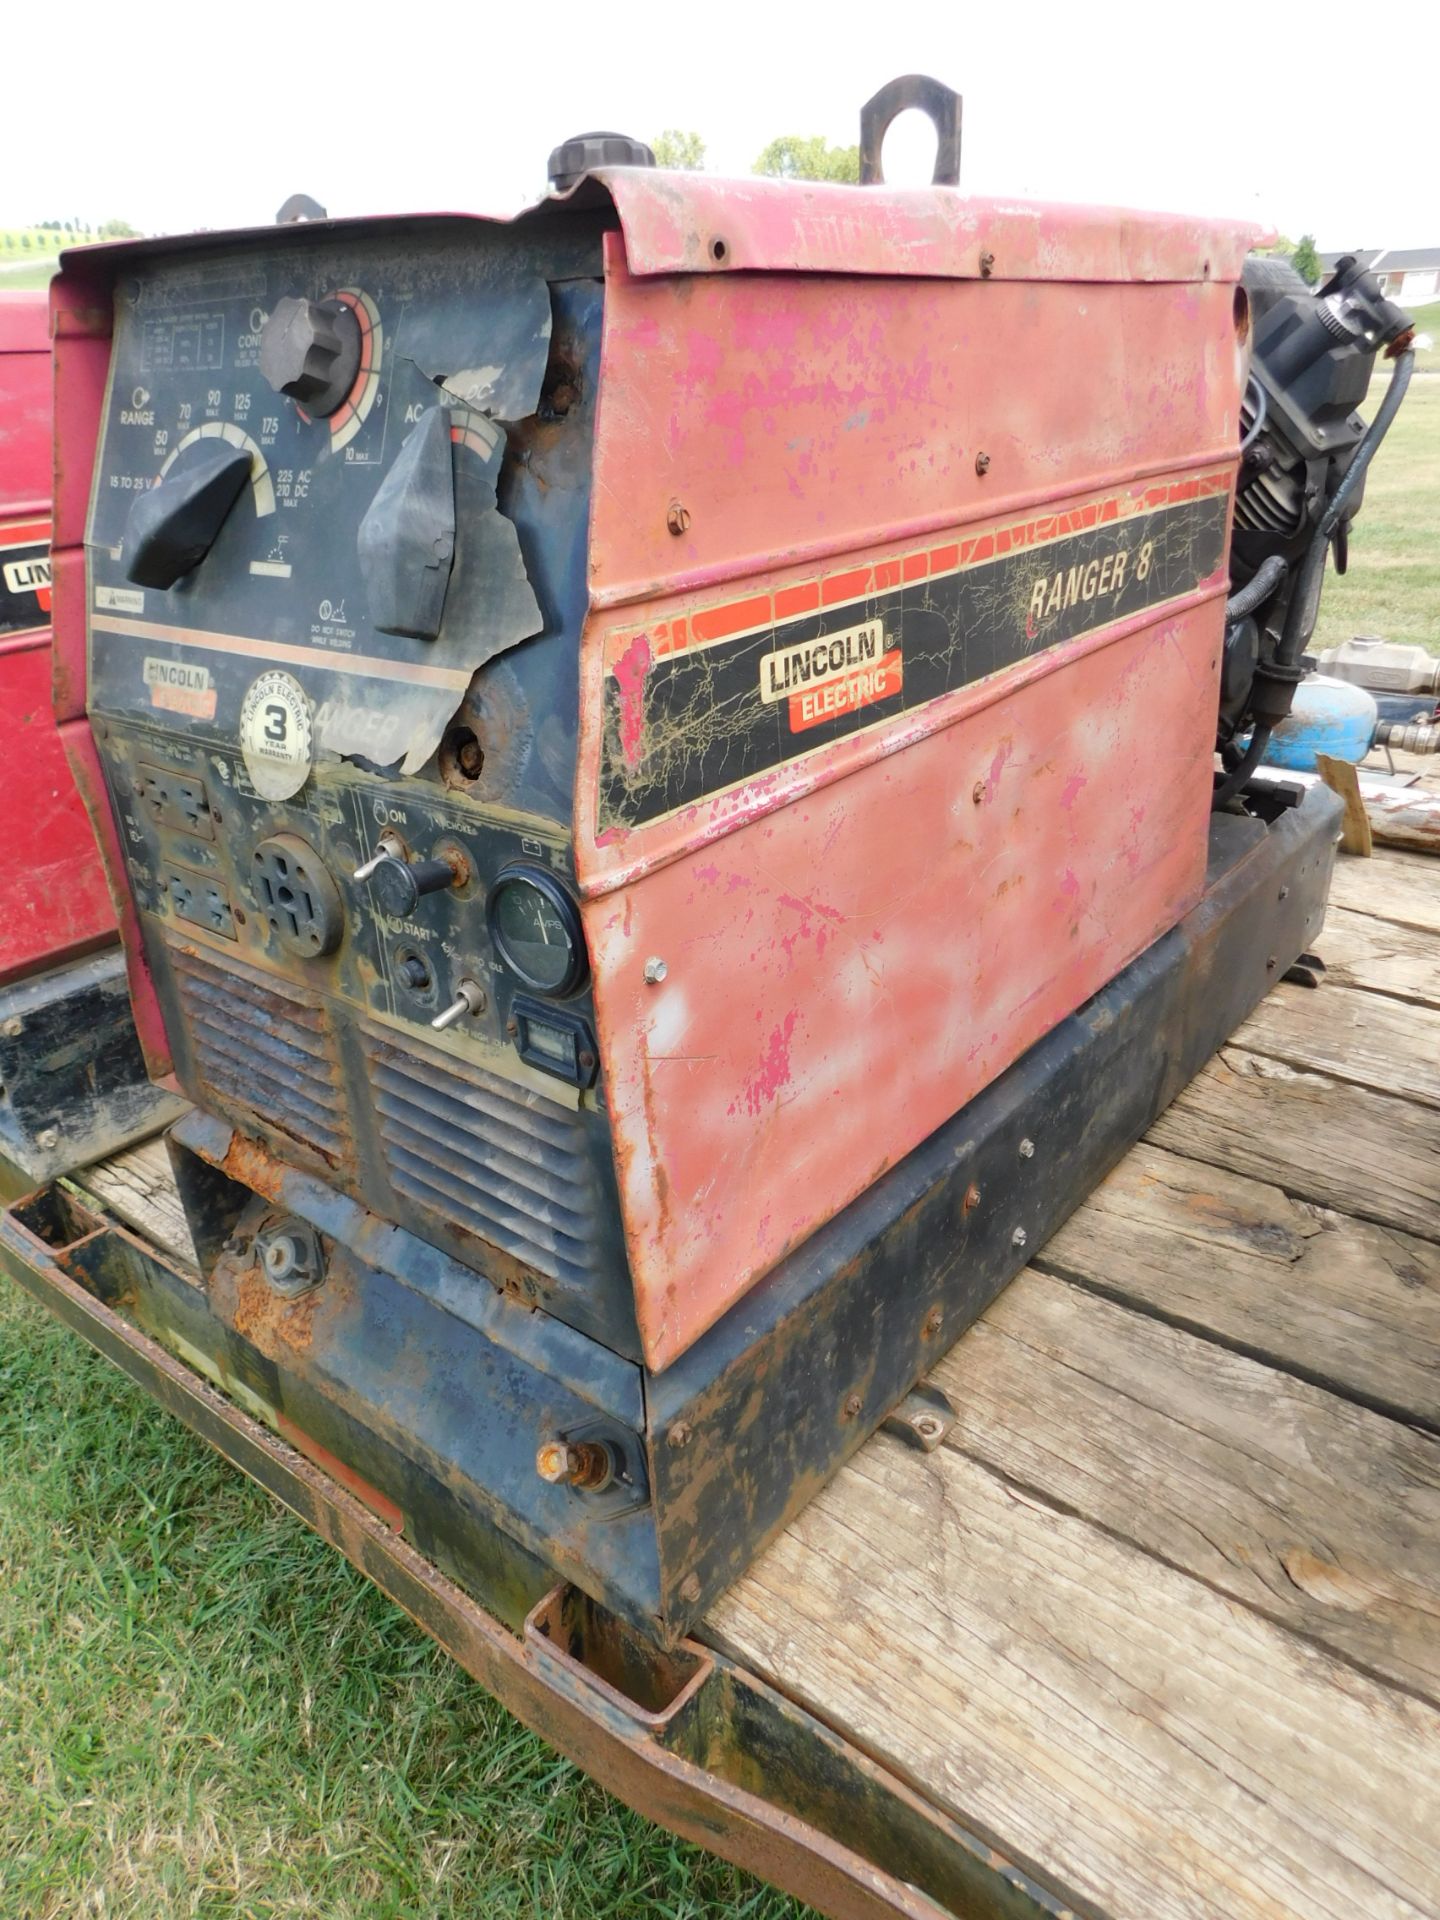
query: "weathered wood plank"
1405, 817
1342, 778
1317, 1511
1372, 1155
1350, 1305
1380, 956
139, 1189
1404, 887
1363, 1039
1151, 1746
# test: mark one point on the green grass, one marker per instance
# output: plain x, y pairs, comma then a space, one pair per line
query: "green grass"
29, 255
205, 1712
34, 273
1393, 585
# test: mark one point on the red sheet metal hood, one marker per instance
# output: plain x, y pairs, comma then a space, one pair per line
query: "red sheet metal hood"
676, 222
699, 223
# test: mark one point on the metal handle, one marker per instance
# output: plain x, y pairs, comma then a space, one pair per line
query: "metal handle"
942, 106
388, 846
469, 998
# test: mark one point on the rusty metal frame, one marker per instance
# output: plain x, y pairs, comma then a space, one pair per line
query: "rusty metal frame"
688, 1738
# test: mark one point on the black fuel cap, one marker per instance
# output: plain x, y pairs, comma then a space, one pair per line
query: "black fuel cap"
582, 153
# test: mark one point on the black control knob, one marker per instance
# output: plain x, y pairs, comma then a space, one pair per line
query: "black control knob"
172, 526
310, 349
584, 152
399, 883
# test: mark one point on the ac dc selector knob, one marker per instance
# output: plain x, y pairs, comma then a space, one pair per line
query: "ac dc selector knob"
310, 350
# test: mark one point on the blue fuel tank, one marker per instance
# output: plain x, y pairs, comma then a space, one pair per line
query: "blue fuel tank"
1328, 716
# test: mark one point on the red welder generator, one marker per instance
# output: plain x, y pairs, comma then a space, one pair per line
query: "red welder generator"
73, 1085
662, 754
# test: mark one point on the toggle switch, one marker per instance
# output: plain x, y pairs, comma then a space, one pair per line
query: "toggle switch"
469, 998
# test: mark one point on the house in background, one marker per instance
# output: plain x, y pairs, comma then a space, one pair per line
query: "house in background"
1409, 275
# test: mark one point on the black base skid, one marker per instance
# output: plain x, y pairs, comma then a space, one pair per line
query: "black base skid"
435, 1391
73, 1086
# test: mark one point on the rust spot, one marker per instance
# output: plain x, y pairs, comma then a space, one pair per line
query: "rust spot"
267, 1319
252, 1165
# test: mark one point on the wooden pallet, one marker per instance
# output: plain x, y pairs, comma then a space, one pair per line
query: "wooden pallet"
1161, 1619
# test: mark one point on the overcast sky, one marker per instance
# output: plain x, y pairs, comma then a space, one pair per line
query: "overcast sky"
176, 116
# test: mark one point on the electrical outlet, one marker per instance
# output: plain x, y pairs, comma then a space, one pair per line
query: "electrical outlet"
201, 903
176, 800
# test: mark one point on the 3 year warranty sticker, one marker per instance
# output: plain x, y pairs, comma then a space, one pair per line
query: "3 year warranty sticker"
275, 735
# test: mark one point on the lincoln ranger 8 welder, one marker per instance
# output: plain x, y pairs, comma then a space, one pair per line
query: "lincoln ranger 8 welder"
663, 753
72, 1081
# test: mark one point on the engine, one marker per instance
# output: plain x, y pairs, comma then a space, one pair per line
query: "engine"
1304, 453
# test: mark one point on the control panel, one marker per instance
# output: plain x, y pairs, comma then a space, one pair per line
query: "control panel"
423, 914
337, 579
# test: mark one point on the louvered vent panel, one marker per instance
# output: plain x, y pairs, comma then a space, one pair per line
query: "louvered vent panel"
487, 1157
259, 1047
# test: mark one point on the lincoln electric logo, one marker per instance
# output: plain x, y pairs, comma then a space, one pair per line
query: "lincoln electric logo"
832, 675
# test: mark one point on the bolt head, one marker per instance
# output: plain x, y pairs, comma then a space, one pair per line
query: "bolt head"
852, 1405
932, 1323
982, 463
1019, 1238
1027, 1149
555, 1462
678, 518
655, 970
987, 264
972, 1198
679, 1435
977, 792
48, 1138
690, 1589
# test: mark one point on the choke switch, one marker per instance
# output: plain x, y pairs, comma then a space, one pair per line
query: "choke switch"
398, 883
310, 350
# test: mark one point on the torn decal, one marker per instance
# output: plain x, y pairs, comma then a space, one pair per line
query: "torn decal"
327, 569
24, 577
731, 691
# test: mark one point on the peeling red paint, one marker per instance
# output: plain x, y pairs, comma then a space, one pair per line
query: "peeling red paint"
630, 671
773, 1072
1071, 791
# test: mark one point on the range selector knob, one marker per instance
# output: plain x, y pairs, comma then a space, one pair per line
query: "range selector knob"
310, 349
399, 883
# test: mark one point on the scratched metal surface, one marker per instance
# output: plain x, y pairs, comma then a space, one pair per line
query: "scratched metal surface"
854, 946
53, 899
672, 223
